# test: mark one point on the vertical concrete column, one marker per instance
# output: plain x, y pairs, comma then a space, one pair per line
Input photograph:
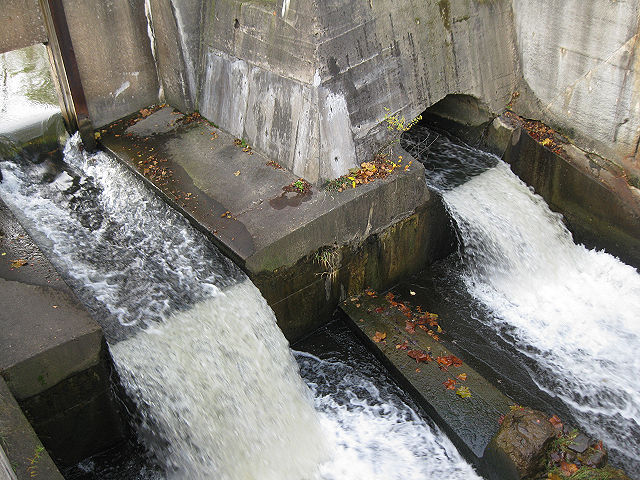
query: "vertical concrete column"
74, 102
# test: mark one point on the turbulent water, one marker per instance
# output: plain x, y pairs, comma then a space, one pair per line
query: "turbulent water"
218, 392
571, 312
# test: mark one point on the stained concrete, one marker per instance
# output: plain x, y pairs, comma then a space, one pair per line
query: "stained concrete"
309, 82
233, 195
470, 422
581, 71
52, 353
25, 455
114, 56
22, 24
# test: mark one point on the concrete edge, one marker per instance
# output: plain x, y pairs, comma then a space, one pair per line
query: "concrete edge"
25, 453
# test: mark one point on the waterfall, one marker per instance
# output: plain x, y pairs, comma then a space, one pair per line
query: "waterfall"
218, 391
572, 312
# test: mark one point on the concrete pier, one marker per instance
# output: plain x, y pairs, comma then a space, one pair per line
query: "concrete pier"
305, 251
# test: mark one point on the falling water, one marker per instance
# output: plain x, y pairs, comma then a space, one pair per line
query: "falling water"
217, 389
571, 312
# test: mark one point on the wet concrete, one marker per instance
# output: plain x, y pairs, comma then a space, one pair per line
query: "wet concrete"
469, 421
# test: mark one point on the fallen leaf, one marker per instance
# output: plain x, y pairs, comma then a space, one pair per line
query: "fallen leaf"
449, 361
450, 384
379, 336
462, 376
379, 310
420, 356
568, 469
410, 327
403, 346
556, 422
463, 392
236, 173
18, 263
411, 292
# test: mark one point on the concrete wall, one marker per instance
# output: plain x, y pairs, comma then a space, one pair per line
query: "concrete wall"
307, 81
581, 71
114, 56
22, 24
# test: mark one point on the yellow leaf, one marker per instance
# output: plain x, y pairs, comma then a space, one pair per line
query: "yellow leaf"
463, 392
236, 173
18, 263
379, 336
546, 142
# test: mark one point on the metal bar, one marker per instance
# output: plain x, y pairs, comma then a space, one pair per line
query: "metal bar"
71, 71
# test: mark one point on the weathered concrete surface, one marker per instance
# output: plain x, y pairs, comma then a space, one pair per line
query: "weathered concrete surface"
22, 24
470, 422
176, 29
235, 197
52, 354
308, 82
114, 56
581, 71
25, 455
599, 205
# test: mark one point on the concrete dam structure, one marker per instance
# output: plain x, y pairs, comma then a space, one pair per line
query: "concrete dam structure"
307, 82
259, 122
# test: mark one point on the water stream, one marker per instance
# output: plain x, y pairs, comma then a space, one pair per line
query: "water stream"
217, 389
27, 98
571, 314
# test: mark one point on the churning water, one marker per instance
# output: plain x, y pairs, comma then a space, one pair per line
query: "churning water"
572, 313
218, 392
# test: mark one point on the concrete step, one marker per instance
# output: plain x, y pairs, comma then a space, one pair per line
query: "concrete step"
469, 421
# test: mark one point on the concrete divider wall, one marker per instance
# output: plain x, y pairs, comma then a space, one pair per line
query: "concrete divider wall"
581, 72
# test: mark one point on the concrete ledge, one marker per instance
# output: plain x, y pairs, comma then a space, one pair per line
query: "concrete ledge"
469, 422
52, 353
25, 455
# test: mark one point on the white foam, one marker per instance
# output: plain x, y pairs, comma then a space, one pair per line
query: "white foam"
572, 310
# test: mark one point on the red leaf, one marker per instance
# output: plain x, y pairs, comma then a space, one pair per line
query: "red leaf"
568, 469
410, 327
449, 361
403, 346
420, 356
556, 422
379, 310
450, 384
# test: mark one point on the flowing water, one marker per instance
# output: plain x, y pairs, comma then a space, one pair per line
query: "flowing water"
27, 97
217, 390
571, 313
